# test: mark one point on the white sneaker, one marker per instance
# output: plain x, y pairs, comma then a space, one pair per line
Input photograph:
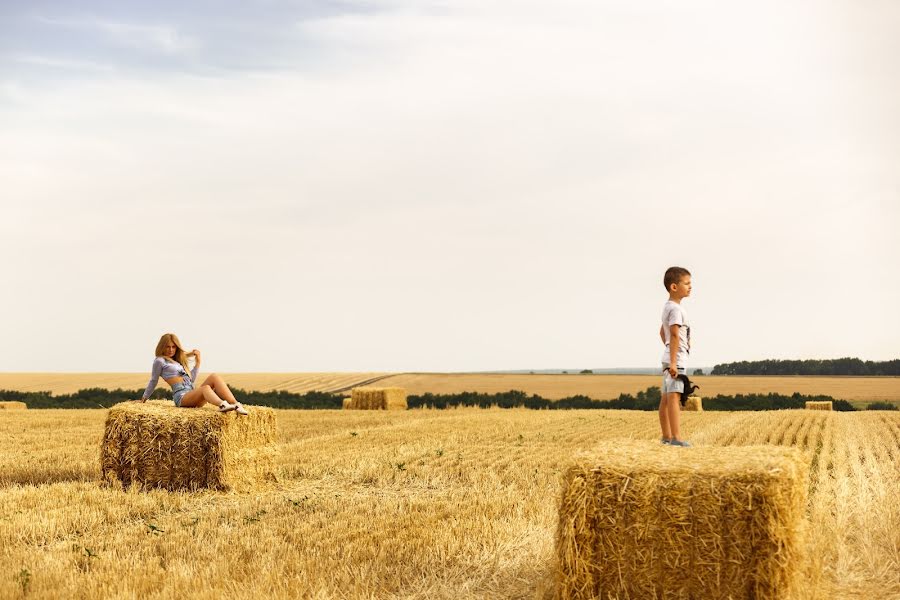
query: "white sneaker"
225, 407
241, 410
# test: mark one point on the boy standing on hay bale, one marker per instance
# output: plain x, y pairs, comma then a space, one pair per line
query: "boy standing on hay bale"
675, 334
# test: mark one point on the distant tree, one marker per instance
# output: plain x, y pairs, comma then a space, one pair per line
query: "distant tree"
587, 372
698, 372
882, 406
565, 372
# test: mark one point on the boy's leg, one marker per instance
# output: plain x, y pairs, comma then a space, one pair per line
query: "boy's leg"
673, 414
664, 417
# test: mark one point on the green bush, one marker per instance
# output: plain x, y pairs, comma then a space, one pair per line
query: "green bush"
882, 406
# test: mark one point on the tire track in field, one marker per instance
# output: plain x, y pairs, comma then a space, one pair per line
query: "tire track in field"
362, 383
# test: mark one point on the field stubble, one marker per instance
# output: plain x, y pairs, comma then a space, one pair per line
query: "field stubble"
416, 504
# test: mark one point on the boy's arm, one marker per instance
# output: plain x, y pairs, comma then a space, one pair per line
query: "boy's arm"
674, 343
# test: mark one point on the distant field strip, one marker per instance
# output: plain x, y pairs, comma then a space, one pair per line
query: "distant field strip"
67, 383
412, 504
603, 387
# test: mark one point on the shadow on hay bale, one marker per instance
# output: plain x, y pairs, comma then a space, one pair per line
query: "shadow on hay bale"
640, 520
375, 398
157, 445
819, 405
13, 405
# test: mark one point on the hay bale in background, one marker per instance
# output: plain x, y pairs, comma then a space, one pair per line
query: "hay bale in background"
694, 403
13, 405
346, 403
375, 398
814, 405
157, 445
640, 520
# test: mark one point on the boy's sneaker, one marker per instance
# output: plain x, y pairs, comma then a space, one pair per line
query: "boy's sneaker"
681, 443
240, 409
225, 407
665, 441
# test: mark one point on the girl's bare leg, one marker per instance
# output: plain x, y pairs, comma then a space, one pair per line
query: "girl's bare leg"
218, 385
673, 410
201, 396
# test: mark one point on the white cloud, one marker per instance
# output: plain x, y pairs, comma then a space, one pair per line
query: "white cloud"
164, 39
461, 188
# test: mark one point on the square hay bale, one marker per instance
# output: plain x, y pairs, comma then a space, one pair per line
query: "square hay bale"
13, 405
346, 403
375, 398
816, 405
694, 403
158, 445
641, 520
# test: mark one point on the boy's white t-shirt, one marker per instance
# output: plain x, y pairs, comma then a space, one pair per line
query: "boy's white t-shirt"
674, 314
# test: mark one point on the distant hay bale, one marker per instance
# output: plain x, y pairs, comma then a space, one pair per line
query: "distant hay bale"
816, 405
13, 405
694, 403
642, 520
346, 403
374, 398
156, 445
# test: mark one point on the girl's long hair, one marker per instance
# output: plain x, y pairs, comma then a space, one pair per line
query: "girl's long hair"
180, 355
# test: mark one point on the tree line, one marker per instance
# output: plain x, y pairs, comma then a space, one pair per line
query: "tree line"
644, 400
833, 366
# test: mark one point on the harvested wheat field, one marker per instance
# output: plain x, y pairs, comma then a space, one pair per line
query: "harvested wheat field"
407, 504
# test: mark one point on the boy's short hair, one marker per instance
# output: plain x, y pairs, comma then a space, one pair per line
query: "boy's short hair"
674, 275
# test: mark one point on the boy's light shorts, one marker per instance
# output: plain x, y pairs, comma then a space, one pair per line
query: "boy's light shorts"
672, 384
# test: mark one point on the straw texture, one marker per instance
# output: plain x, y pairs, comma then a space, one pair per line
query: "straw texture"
157, 445
640, 520
374, 398
819, 405
694, 403
13, 405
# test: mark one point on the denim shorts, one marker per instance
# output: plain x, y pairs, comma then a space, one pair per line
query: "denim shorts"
180, 389
672, 384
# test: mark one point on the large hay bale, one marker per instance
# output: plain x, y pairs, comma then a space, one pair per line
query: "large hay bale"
641, 520
346, 403
375, 398
13, 405
816, 405
157, 445
694, 403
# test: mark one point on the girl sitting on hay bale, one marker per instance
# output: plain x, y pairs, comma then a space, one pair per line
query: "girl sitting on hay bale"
171, 363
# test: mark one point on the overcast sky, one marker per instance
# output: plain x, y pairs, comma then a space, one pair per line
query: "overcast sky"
446, 186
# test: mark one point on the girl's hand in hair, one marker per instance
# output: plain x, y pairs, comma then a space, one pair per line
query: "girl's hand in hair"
196, 354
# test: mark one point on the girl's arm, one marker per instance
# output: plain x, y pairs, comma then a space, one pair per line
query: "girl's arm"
662, 334
196, 368
155, 372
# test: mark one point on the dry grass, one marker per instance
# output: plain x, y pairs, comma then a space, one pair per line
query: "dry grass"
157, 445
407, 504
638, 520
693, 403
814, 405
376, 398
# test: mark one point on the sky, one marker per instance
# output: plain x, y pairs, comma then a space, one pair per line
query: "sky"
446, 186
